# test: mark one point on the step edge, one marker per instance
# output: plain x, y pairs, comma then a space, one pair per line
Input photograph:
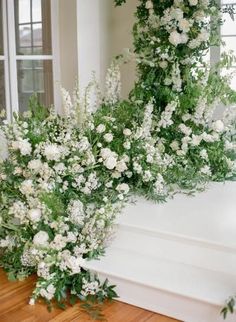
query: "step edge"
200, 242
133, 281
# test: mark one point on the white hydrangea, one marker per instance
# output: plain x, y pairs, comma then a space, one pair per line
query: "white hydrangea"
26, 187
35, 165
23, 145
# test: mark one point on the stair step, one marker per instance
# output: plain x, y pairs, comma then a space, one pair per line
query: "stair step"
158, 278
178, 250
209, 217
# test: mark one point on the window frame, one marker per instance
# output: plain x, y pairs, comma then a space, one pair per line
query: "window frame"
11, 58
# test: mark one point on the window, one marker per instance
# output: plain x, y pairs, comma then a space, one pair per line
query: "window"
228, 34
28, 53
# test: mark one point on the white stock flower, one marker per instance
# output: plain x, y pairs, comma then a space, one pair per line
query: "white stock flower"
41, 238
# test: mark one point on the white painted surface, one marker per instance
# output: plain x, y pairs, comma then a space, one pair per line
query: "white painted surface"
178, 258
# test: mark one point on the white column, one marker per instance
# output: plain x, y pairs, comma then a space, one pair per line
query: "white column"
93, 39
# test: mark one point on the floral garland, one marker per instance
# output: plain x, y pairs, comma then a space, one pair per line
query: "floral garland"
66, 177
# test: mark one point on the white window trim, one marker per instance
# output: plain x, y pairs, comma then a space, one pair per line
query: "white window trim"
10, 57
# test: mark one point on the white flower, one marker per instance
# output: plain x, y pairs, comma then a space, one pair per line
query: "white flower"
218, 126
196, 140
26, 187
108, 137
185, 129
123, 188
203, 154
41, 238
174, 145
110, 162
127, 145
52, 152
76, 212
206, 170
75, 264
127, 132
35, 165
35, 215
163, 64
32, 301
100, 128
175, 38
149, 5
121, 166
23, 145
193, 2
184, 25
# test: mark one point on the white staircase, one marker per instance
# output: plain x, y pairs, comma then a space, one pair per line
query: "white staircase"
178, 258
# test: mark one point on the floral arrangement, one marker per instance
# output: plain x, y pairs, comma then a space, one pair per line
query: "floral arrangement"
171, 42
67, 176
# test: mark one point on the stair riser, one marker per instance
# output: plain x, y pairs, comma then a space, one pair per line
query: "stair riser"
172, 305
179, 251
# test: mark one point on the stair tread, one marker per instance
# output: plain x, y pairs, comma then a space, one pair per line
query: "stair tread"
185, 280
209, 216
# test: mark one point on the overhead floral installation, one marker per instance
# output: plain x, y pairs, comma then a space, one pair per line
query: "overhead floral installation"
67, 176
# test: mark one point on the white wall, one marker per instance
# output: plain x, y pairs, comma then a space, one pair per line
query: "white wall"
122, 20
103, 32
68, 43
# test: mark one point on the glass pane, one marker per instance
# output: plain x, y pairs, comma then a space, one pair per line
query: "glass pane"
24, 11
37, 11
227, 1
35, 76
232, 73
229, 26
230, 44
1, 29
33, 27
2, 87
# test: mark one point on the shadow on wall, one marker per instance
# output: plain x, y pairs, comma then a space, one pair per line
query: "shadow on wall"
122, 20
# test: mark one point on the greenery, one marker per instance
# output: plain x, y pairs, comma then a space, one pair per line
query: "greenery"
67, 176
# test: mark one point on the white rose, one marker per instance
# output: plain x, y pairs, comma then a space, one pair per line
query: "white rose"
35, 215
123, 188
105, 153
184, 25
121, 166
218, 126
175, 38
149, 5
41, 238
127, 132
100, 128
110, 162
108, 137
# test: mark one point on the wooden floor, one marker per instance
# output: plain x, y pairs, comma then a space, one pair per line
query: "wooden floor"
14, 297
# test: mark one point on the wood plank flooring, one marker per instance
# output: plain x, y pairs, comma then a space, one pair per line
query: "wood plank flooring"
14, 297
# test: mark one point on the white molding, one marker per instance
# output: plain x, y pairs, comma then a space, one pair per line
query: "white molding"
56, 54
34, 57
6, 63
12, 55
